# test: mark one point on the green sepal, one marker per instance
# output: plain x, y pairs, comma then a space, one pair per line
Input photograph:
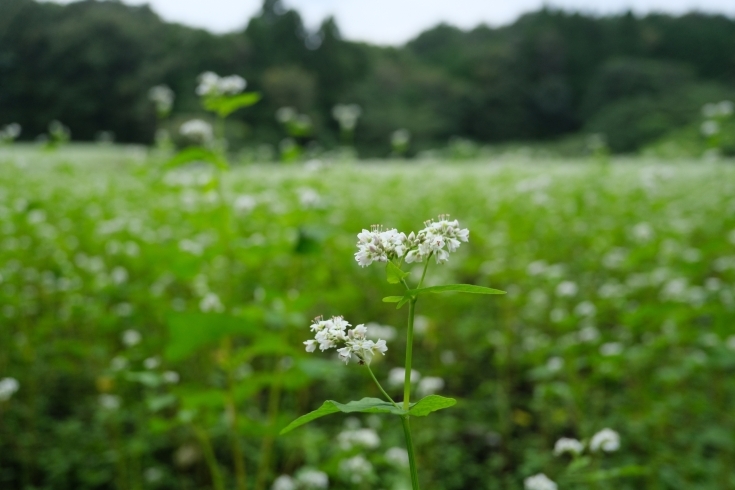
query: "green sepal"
394, 274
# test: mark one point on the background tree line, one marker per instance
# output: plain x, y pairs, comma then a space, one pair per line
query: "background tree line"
551, 73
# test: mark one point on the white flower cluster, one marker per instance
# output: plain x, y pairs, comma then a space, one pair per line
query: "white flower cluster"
539, 482
162, 97
197, 130
9, 133
333, 333
606, 440
366, 438
568, 445
211, 84
305, 479
357, 468
8, 386
438, 238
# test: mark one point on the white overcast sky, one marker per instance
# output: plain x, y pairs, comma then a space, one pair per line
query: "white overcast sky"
396, 21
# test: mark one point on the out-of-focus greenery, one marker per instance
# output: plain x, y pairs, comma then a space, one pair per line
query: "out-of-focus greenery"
91, 63
619, 314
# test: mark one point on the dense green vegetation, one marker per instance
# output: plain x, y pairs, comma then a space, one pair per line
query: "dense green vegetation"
550, 74
619, 314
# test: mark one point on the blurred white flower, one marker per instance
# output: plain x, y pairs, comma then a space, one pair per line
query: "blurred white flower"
642, 232
611, 349
568, 445
119, 275
356, 468
163, 98
566, 289
283, 482
152, 362
131, 337
725, 108
211, 303
554, 364
153, 475
245, 203
347, 115
397, 456
607, 440
366, 438
118, 363
312, 479
709, 128
539, 482
109, 402
197, 130
8, 386
309, 198
191, 246
396, 376
378, 331
429, 386
211, 84
10, 132
171, 377
585, 308
285, 114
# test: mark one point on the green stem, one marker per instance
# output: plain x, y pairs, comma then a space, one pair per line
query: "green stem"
210, 459
411, 454
380, 387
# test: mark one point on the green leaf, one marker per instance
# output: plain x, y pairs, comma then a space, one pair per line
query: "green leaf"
459, 288
429, 404
197, 154
227, 104
366, 405
403, 301
188, 332
392, 299
394, 273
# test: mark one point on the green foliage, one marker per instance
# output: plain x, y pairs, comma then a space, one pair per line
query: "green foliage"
224, 105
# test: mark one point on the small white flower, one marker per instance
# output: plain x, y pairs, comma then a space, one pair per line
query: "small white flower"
286, 114
396, 376
109, 402
152, 362
131, 337
211, 84
554, 364
365, 438
347, 115
568, 445
8, 387
312, 479
610, 349
539, 482
397, 456
356, 468
197, 130
163, 98
566, 289
283, 482
607, 440
9, 133
118, 363
245, 203
171, 377
211, 303
153, 475
333, 332
429, 386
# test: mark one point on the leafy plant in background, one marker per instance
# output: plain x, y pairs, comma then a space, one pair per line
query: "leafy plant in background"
58, 136
437, 240
399, 142
715, 115
346, 116
584, 468
162, 98
9, 133
299, 127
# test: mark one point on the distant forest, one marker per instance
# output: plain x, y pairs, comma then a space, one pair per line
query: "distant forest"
551, 73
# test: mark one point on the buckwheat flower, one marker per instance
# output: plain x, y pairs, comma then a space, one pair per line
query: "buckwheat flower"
429, 386
378, 245
347, 115
709, 128
131, 337
610, 349
171, 377
438, 238
539, 482
118, 363
8, 387
232, 85
607, 440
245, 203
208, 82
283, 482
285, 114
397, 456
333, 332
211, 84
366, 438
725, 108
197, 130
312, 479
10, 132
396, 376
568, 445
566, 289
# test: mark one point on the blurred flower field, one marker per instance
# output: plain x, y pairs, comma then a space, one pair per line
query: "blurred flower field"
154, 333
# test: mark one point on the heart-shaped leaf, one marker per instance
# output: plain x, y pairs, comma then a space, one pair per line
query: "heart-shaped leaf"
366, 405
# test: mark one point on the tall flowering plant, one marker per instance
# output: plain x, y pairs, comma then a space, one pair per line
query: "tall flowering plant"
437, 241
